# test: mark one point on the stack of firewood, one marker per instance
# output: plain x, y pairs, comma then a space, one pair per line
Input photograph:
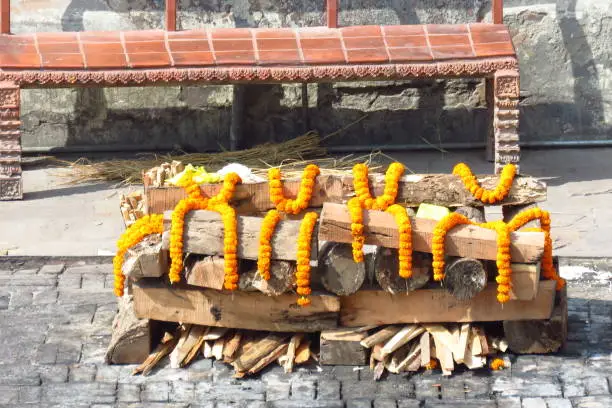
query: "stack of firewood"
132, 207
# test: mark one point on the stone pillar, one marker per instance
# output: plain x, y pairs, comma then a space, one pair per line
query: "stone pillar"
10, 143
506, 118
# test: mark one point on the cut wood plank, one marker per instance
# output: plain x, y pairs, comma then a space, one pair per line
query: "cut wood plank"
204, 233
441, 189
215, 333
380, 336
345, 350
464, 240
243, 310
436, 305
264, 362
339, 273
164, 348
217, 348
475, 344
146, 259
425, 343
414, 354
402, 337
232, 346
294, 343
525, 281
302, 354
258, 350
442, 335
131, 338
462, 346
444, 355
347, 333
207, 272
386, 271
392, 363
484, 343
207, 349
186, 342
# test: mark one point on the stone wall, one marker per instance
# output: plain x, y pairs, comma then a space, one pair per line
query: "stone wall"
565, 51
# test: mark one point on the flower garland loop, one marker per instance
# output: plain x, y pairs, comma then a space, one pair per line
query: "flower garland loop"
230, 243
264, 252
356, 213
405, 239
439, 235
486, 196
147, 225
303, 258
288, 205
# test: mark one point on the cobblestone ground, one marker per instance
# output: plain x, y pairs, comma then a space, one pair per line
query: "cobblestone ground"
55, 324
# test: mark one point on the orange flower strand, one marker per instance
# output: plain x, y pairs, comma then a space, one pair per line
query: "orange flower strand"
230, 244
500, 192
303, 258
497, 364
433, 364
227, 190
439, 235
392, 178
176, 233
292, 206
356, 213
142, 227
362, 186
264, 253
405, 239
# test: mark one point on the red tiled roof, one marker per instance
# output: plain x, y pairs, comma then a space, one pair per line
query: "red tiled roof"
245, 46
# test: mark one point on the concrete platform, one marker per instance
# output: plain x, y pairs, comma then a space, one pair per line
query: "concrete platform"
56, 219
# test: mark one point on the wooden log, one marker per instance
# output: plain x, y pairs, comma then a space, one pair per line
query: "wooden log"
204, 235
206, 272
539, 336
380, 336
267, 360
303, 353
474, 214
387, 271
425, 343
464, 278
132, 338
465, 240
343, 350
232, 346
146, 259
166, 345
435, 305
402, 337
339, 273
282, 278
243, 310
441, 189
294, 343
525, 281
258, 350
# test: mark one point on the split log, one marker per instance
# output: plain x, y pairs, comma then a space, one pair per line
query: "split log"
146, 259
539, 336
339, 273
132, 338
204, 235
441, 189
264, 362
232, 346
190, 342
425, 343
294, 343
402, 337
464, 278
380, 336
164, 348
206, 272
434, 305
342, 350
243, 310
465, 240
525, 281
387, 271
257, 351
282, 278
303, 354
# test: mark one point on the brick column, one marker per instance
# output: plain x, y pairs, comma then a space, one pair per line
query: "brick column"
10, 143
506, 118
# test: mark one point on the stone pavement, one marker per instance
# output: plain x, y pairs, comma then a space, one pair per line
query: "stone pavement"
55, 322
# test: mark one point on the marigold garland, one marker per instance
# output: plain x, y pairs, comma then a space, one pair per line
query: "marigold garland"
439, 235
486, 196
227, 190
433, 364
522, 218
264, 252
230, 243
356, 213
147, 225
503, 261
177, 228
288, 205
303, 258
405, 239
497, 364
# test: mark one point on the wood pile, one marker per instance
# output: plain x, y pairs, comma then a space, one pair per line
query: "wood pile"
360, 314
157, 176
132, 207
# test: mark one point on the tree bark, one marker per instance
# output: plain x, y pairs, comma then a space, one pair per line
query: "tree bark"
282, 277
339, 273
387, 271
464, 278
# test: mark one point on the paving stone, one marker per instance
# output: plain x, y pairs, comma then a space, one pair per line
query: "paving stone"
9, 394
155, 392
558, 403
5, 299
28, 280
408, 403
478, 387
93, 282
573, 387
107, 373
128, 393
303, 389
395, 390
45, 297
104, 269
234, 391
19, 375
452, 388
385, 403
82, 373
534, 403
53, 373
20, 298
92, 393
596, 386
460, 404
182, 391
52, 269
359, 403
304, 404
69, 282
358, 390
30, 395
533, 387
602, 401
328, 389
277, 389
427, 388
341, 372
82, 297
510, 402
